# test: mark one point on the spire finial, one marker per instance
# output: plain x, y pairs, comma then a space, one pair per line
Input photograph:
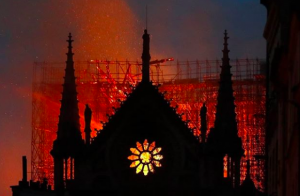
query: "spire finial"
226, 38
70, 40
146, 57
146, 16
70, 53
225, 50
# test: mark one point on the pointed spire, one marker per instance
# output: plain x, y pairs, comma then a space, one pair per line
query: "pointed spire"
225, 121
225, 58
68, 125
146, 57
223, 139
70, 53
225, 129
68, 142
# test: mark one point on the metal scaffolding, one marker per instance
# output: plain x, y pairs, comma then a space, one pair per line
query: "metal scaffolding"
186, 84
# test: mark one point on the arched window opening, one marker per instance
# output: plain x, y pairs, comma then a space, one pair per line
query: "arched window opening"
68, 169
225, 166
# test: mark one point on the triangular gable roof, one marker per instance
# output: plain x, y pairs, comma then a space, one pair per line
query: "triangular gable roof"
144, 93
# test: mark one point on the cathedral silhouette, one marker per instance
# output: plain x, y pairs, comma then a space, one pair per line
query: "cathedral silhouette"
146, 148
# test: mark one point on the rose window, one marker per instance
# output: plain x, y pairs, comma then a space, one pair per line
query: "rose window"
145, 157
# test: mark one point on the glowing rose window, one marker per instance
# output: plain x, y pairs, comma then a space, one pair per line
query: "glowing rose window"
144, 157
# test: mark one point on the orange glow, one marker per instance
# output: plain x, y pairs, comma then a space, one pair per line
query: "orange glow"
147, 158
104, 87
108, 28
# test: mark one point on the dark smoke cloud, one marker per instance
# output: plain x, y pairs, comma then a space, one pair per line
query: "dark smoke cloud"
193, 29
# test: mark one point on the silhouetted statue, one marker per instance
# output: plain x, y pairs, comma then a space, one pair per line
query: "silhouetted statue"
203, 128
87, 118
248, 187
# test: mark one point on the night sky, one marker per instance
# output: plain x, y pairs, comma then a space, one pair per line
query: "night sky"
36, 30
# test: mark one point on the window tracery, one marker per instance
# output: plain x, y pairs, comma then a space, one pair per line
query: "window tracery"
145, 157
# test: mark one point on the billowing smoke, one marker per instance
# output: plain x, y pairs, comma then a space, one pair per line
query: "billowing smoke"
36, 31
